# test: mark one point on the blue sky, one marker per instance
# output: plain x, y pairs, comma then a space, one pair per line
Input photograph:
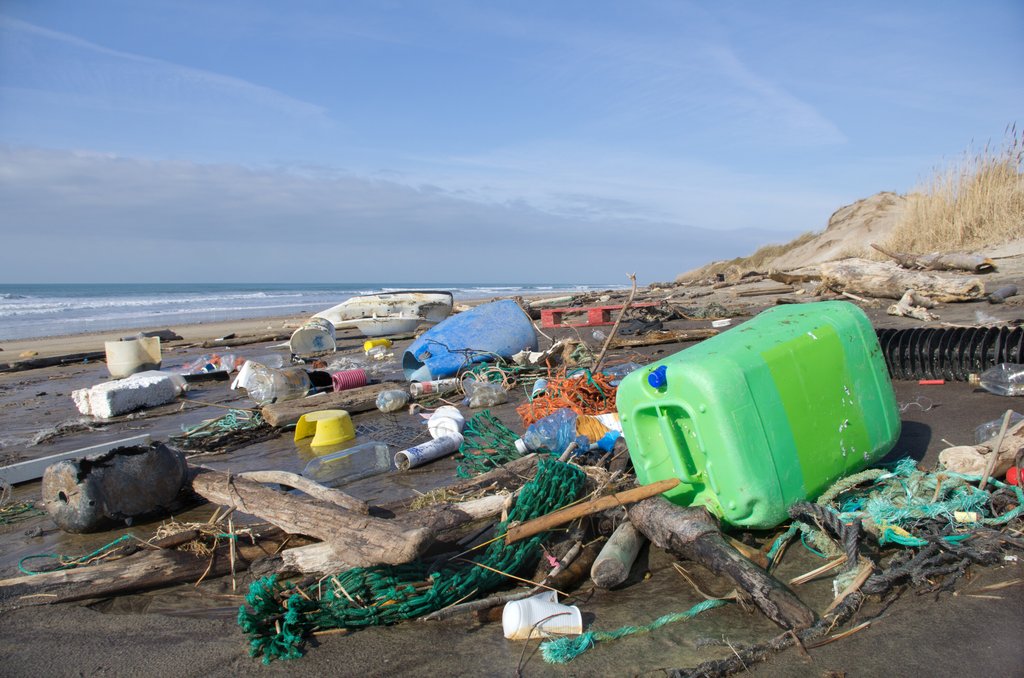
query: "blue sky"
499, 141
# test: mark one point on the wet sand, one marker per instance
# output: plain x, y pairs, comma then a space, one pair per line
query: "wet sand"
186, 630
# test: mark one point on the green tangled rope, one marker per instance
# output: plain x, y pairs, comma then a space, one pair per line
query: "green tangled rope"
14, 512
564, 650
234, 420
898, 500
68, 563
487, 444
387, 594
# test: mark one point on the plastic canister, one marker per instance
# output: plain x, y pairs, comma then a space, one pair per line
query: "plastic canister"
132, 355
372, 343
764, 415
316, 335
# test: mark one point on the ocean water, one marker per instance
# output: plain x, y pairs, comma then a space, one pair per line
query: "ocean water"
28, 311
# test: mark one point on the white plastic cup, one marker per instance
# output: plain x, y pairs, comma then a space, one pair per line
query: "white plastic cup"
540, 616
445, 421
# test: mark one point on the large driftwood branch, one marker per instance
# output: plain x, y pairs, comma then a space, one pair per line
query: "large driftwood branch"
366, 540
692, 533
439, 520
886, 280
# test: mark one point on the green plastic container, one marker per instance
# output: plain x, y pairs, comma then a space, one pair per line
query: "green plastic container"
764, 415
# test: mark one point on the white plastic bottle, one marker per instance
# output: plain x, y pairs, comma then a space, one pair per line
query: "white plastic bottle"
1003, 379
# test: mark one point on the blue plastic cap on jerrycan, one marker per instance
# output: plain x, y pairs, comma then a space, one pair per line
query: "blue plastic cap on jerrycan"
482, 333
767, 414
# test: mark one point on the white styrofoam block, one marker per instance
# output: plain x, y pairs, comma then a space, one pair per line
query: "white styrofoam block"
147, 389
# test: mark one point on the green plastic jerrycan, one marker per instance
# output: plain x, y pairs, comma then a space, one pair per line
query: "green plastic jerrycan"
764, 415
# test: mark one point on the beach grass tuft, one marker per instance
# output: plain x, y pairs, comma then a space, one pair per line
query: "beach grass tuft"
973, 201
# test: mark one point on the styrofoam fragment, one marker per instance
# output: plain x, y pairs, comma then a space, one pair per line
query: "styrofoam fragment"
146, 389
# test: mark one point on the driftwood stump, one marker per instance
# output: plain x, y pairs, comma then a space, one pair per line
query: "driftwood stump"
693, 534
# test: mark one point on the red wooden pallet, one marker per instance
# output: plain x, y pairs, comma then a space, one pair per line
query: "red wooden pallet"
596, 315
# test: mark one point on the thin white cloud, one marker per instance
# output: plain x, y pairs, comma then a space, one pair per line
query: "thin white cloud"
210, 222
156, 74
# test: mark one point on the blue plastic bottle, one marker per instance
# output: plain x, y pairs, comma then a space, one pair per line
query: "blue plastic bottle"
553, 433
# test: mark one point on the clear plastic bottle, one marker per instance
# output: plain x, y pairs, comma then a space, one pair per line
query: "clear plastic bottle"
483, 393
1003, 379
617, 372
392, 400
553, 433
347, 466
266, 385
990, 429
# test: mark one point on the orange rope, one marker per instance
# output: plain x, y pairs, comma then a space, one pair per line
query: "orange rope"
585, 393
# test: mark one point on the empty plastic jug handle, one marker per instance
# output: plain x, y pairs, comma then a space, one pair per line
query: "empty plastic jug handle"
684, 465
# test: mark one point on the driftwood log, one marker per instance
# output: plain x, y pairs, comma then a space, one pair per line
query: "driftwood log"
148, 569
972, 263
316, 490
889, 281
663, 337
35, 363
353, 401
693, 534
441, 521
365, 540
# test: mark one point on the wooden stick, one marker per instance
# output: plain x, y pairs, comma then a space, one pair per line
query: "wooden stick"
231, 552
866, 568
995, 451
615, 327
817, 572
537, 525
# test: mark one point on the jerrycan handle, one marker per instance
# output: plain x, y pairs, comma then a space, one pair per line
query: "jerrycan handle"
676, 446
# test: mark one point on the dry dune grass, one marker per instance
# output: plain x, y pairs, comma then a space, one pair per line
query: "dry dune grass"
758, 261
976, 201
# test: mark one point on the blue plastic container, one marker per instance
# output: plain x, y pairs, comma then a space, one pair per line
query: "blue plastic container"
480, 334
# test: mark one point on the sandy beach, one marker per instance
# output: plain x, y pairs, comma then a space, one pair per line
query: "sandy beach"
190, 629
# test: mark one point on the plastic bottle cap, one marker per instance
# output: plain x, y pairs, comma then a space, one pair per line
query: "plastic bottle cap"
658, 378
521, 446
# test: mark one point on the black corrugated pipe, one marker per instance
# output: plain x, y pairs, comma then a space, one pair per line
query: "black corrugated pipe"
949, 353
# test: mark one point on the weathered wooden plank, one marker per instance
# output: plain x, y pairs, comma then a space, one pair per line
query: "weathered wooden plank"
355, 400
